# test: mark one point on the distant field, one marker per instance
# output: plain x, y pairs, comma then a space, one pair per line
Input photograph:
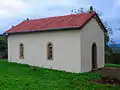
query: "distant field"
115, 48
23, 77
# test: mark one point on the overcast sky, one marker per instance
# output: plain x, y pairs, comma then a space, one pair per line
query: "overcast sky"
13, 12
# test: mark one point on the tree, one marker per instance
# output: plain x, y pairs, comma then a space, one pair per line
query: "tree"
107, 37
3, 45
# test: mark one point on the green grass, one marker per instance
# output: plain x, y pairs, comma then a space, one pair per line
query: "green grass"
23, 77
112, 65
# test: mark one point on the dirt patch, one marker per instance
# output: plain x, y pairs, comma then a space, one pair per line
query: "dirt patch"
107, 80
110, 75
110, 72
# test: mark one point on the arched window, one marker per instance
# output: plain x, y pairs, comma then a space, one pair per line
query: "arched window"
50, 51
21, 51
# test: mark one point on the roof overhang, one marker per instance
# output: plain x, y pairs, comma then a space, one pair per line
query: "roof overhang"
47, 30
100, 23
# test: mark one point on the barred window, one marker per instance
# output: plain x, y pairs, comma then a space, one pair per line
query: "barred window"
50, 51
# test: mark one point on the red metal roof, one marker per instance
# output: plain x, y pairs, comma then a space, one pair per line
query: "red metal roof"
67, 21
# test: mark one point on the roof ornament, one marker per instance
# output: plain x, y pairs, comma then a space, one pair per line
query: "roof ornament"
91, 9
27, 18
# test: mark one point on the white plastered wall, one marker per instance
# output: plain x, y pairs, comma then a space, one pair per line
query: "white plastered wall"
66, 48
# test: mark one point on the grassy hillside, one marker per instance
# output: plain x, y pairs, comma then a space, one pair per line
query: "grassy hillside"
23, 77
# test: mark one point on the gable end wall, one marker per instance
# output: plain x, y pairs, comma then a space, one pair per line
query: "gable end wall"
91, 33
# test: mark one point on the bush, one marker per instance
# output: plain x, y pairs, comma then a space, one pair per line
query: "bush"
113, 58
112, 65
